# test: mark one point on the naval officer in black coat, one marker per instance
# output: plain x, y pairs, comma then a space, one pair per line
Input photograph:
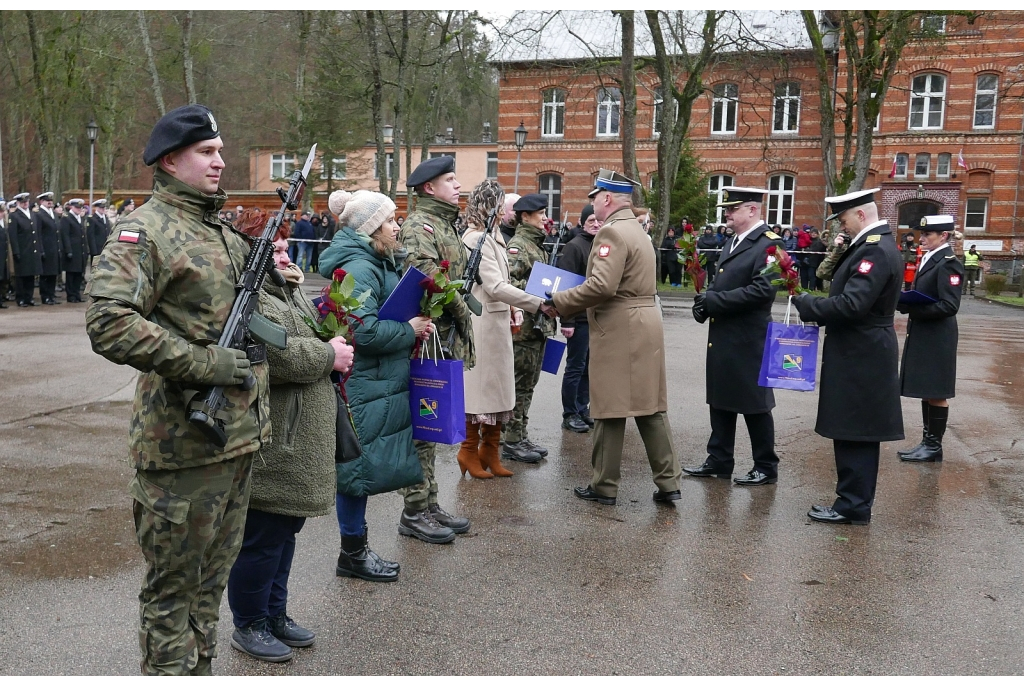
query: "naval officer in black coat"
739, 306
50, 248
28, 258
928, 370
859, 400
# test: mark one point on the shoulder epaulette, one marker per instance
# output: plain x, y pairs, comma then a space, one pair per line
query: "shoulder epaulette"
872, 239
772, 235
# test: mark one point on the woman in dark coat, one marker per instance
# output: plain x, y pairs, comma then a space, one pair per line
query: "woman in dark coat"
928, 370
366, 247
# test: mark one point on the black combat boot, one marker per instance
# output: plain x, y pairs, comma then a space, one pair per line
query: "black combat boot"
932, 451
903, 454
355, 561
458, 524
373, 555
421, 525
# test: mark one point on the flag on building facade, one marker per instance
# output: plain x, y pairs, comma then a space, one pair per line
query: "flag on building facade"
960, 159
892, 174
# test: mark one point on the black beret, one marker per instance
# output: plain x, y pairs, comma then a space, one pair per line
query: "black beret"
179, 128
431, 169
530, 203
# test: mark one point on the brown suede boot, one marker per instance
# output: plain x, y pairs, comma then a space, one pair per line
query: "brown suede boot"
490, 457
469, 453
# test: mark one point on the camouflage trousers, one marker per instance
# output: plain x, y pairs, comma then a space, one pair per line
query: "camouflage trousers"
418, 497
189, 524
529, 355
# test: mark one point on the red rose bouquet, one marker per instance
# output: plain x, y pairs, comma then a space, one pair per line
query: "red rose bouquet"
335, 305
691, 259
779, 262
438, 291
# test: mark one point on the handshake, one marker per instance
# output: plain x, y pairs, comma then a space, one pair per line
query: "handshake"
700, 311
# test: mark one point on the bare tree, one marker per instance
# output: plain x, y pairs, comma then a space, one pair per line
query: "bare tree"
628, 90
158, 92
186, 57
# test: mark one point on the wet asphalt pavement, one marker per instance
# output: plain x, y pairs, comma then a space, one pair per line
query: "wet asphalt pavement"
730, 580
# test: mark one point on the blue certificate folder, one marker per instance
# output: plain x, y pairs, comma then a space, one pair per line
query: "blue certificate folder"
549, 279
915, 297
404, 301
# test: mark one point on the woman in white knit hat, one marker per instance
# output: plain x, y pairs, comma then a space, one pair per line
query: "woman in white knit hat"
366, 247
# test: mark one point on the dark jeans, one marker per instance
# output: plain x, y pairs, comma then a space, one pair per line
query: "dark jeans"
351, 515
762, 440
258, 585
576, 379
808, 279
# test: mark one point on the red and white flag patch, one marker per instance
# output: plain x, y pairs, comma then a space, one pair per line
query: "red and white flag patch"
954, 279
604, 251
128, 237
513, 250
428, 228
865, 267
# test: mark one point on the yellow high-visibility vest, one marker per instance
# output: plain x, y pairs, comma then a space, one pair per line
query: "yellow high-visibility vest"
971, 259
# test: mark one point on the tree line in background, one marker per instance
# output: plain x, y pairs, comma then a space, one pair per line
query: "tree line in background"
284, 78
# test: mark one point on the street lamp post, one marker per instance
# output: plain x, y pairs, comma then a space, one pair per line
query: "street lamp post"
520, 134
92, 130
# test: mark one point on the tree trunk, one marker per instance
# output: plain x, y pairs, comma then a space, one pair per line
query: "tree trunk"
825, 109
305, 24
396, 143
186, 57
430, 120
39, 109
628, 128
151, 62
377, 101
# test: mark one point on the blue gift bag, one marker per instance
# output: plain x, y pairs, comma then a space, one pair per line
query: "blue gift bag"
438, 400
790, 359
553, 351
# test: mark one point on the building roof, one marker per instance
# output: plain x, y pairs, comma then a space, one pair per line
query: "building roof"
571, 35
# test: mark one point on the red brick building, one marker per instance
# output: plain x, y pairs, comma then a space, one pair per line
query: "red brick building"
954, 98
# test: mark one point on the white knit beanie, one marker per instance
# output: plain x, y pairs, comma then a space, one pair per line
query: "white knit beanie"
363, 211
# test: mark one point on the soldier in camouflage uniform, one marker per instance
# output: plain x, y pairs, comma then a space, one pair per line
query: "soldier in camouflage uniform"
835, 251
528, 344
161, 292
429, 236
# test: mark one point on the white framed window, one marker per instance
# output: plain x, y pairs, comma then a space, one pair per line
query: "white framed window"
781, 191
933, 23
976, 214
553, 113
389, 164
550, 186
902, 162
492, 165
609, 102
435, 155
715, 185
336, 168
787, 108
724, 103
922, 165
878, 119
281, 166
927, 101
985, 101
942, 166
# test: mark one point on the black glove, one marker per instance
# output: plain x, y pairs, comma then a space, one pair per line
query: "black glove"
700, 312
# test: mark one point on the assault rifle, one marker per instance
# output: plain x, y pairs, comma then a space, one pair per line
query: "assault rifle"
245, 324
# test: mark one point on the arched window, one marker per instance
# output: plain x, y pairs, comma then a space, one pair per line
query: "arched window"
787, 108
725, 100
927, 101
550, 186
553, 113
715, 185
781, 191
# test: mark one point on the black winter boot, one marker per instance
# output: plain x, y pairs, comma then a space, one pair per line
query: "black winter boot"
924, 433
373, 555
356, 562
932, 451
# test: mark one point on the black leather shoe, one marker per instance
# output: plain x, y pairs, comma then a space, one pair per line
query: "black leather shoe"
574, 423
421, 525
587, 420
666, 497
2, 305
708, 469
591, 496
830, 515
24, 304
458, 524
355, 562
370, 553
542, 451
519, 451
755, 477
289, 632
257, 641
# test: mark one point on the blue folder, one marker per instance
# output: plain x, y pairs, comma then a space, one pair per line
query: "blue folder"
404, 301
553, 351
915, 297
549, 279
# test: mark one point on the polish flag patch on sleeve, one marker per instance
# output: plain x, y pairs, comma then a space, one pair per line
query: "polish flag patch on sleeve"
604, 250
129, 237
954, 279
865, 267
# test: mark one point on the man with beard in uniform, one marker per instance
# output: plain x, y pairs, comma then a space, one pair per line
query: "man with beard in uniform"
49, 242
739, 305
859, 400
627, 345
430, 238
28, 256
75, 248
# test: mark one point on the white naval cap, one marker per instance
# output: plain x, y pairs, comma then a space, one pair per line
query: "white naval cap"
841, 203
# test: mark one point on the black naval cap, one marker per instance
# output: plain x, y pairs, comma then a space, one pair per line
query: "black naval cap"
180, 128
431, 169
841, 203
530, 203
937, 223
734, 196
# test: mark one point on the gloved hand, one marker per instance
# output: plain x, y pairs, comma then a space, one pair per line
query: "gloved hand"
224, 366
700, 312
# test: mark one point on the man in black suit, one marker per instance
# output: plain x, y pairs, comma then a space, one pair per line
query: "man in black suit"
49, 242
739, 305
28, 258
99, 228
859, 400
75, 248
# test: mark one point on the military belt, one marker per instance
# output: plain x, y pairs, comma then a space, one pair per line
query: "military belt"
256, 353
630, 302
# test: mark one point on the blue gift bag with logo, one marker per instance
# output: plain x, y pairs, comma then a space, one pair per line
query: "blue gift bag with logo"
790, 359
438, 400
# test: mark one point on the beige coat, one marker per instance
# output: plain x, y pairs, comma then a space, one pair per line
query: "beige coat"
627, 340
490, 385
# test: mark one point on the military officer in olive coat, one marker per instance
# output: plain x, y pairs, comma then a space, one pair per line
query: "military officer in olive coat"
28, 256
859, 400
627, 345
49, 241
739, 305
928, 370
